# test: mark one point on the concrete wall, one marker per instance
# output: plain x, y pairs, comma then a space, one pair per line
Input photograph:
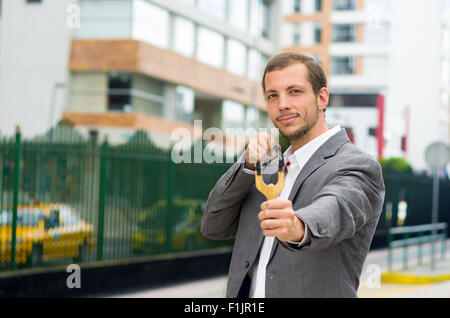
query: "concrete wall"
34, 52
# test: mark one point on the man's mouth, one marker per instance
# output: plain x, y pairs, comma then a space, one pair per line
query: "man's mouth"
287, 119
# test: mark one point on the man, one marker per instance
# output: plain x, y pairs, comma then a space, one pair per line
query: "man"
312, 240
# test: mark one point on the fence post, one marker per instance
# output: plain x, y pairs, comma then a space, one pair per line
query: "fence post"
405, 253
170, 186
389, 250
102, 198
15, 198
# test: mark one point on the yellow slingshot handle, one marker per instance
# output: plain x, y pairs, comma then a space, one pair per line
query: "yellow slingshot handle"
270, 191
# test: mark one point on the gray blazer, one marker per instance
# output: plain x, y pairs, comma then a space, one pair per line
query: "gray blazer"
339, 194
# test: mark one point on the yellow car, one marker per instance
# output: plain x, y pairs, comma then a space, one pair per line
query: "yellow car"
45, 233
150, 233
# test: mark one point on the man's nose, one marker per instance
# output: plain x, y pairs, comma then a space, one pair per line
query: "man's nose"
283, 103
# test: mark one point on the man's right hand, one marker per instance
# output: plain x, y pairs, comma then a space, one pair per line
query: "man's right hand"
258, 147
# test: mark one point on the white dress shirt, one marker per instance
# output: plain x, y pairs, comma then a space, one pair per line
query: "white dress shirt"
297, 160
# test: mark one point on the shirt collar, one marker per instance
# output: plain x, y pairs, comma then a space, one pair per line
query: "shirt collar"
305, 152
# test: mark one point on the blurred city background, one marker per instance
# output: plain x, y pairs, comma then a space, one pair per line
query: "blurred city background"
92, 90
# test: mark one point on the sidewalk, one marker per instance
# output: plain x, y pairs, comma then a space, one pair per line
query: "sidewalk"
415, 281
371, 282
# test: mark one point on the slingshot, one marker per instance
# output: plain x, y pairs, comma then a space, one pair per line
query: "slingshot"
270, 191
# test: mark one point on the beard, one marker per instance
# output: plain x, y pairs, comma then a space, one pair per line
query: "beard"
309, 121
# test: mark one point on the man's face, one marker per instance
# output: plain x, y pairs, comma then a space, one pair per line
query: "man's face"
291, 102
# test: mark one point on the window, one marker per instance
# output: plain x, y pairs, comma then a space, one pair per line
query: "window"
0, 8
34, 1
266, 18
151, 24
344, 33
210, 47
233, 115
184, 36
184, 104
344, 5
353, 100
297, 34
317, 32
215, 8
343, 65
238, 15
376, 34
318, 5
236, 57
251, 118
119, 87
259, 18
297, 5
254, 65
148, 95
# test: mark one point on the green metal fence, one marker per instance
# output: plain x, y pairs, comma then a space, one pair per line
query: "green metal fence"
418, 235
66, 199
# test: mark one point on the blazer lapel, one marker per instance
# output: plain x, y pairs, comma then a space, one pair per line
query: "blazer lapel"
319, 158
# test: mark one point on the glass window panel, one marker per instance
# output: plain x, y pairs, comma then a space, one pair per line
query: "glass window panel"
343, 65
233, 115
239, 13
215, 8
210, 47
151, 24
148, 95
318, 5
297, 34
265, 18
184, 104
317, 32
344, 33
344, 5
259, 18
297, 5
102, 19
119, 89
254, 65
236, 57
184, 32
252, 118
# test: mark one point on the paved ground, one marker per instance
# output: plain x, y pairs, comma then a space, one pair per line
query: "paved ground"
370, 283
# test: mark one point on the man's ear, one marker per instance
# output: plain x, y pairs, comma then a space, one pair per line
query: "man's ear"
323, 98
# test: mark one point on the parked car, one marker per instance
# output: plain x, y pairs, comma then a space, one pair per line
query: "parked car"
150, 235
44, 233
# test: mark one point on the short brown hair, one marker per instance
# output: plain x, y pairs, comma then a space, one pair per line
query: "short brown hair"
316, 75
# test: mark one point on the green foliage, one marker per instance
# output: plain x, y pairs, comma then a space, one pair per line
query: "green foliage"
284, 143
395, 165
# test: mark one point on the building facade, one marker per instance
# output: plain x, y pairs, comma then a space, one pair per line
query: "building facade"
388, 71
114, 66
140, 64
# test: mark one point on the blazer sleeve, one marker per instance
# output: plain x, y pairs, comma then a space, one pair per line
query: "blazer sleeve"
222, 209
353, 197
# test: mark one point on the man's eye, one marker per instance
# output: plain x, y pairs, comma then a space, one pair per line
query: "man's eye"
296, 91
271, 96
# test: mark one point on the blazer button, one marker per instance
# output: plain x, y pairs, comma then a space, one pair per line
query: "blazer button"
246, 264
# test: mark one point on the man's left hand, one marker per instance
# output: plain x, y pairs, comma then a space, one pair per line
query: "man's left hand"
278, 219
